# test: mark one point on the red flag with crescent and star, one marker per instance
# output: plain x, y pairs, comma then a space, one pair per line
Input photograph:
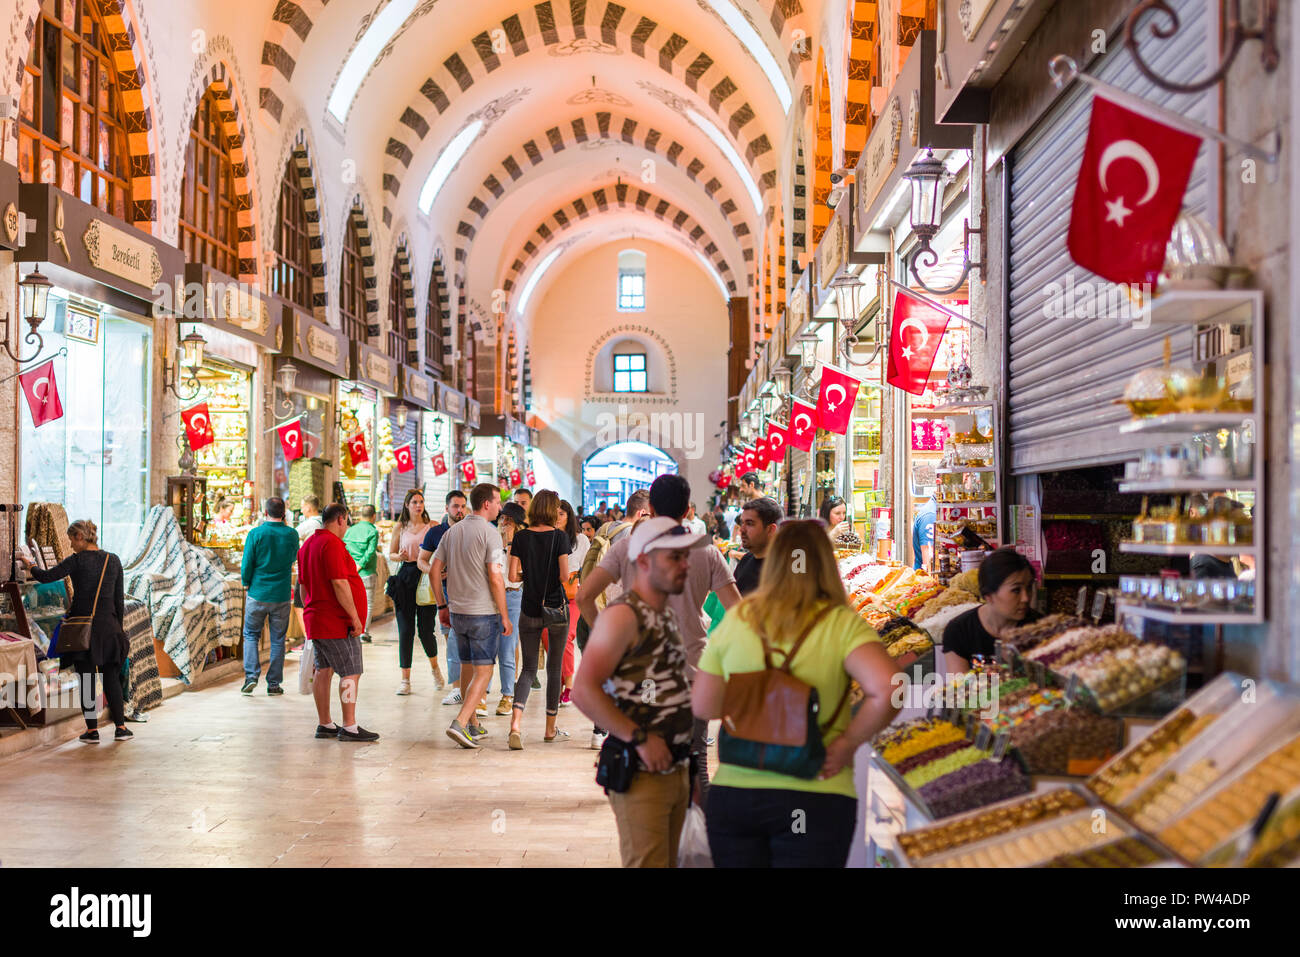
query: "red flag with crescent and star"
777, 440
802, 429
516, 479
468, 470
530, 478
914, 339
291, 439
405, 460
725, 481
835, 404
761, 458
1130, 190
42, 394
747, 458
198, 426
440, 464
357, 449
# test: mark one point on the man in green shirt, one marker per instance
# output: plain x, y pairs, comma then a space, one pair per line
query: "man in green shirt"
267, 572
362, 541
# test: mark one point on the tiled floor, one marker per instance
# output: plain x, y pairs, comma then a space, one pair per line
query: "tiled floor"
217, 779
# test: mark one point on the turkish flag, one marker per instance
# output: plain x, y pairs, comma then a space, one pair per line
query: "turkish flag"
777, 440
198, 426
803, 426
357, 448
516, 479
748, 459
914, 338
439, 464
291, 439
531, 478
42, 394
467, 469
724, 482
405, 461
835, 404
761, 458
1130, 190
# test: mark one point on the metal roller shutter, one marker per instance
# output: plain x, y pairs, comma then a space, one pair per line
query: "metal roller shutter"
1065, 373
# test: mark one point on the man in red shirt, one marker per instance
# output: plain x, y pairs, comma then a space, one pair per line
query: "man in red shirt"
334, 607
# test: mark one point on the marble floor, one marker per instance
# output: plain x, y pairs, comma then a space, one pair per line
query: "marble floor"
218, 779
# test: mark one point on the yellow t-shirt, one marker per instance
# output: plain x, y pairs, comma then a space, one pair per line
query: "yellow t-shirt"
734, 647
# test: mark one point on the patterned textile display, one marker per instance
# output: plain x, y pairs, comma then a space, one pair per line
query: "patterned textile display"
306, 477
195, 605
143, 686
47, 525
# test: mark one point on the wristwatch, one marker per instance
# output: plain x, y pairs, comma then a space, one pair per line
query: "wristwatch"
638, 736
442, 607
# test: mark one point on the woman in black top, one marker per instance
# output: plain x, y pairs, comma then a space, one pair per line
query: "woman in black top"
539, 557
108, 644
1006, 582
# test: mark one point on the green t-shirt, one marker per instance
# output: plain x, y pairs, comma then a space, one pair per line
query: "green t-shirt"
361, 541
734, 647
266, 570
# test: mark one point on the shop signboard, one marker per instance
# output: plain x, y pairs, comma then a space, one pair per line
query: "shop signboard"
472, 412
236, 307
978, 40
85, 240
375, 368
451, 403
419, 389
10, 227
505, 427
313, 342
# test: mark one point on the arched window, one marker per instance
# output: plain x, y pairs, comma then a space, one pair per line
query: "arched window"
631, 281
397, 310
433, 320
291, 277
352, 285
70, 127
209, 221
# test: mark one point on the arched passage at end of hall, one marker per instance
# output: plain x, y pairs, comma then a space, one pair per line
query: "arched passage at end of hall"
610, 473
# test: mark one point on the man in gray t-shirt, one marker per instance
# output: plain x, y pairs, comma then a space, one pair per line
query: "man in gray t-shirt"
470, 551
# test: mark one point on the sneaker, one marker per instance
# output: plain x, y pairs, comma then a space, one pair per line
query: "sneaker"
564, 698
361, 734
137, 716
90, 736
597, 740
404, 687
454, 697
537, 683
482, 709
121, 734
249, 687
458, 734
275, 691
507, 704
477, 732
324, 732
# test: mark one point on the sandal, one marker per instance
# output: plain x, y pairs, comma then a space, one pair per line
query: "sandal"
559, 733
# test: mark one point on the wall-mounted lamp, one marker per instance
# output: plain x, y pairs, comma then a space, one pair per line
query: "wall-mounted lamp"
191, 358
401, 415
437, 436
927, 176
808, 343
285, 377
35, 299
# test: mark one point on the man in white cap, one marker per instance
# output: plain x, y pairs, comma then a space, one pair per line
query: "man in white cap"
634, 682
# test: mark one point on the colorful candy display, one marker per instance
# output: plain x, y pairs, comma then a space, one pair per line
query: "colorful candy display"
937, 767
975, 785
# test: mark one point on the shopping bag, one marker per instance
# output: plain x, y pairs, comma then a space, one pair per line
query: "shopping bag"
424, 591
693, 847
306, 668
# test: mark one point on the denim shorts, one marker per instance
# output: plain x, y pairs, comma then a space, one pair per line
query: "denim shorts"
478, 637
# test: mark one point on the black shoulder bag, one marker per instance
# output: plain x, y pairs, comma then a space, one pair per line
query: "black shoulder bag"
552, 615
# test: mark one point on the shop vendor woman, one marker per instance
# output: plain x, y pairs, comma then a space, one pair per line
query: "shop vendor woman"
1006, 583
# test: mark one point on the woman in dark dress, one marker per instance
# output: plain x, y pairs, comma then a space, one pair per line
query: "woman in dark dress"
1006, 582
108, 644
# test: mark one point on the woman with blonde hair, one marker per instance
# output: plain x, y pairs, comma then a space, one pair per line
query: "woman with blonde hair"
412, 618
799, 595
97, 595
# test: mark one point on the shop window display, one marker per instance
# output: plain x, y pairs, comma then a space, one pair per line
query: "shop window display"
225, 463
95, 460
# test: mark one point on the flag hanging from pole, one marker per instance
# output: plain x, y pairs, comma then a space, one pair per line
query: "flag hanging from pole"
761, 457
405, 461
357, 449
468, 470
802, 429
914, 337
835, 403
42, 394
291, 439
777, 440
198, 426
439, 464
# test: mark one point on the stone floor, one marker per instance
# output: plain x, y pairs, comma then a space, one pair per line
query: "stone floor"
218, 779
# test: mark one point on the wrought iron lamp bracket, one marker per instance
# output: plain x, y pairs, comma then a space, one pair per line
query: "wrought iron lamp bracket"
1237, 34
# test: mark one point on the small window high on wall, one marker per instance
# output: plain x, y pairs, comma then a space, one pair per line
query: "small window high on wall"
631, 281
630, 373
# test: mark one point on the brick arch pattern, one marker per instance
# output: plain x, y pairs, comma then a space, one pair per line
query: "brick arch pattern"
614, 198
799, 205
553, 26
578, 133
299, 154
291, 22
823, 156
528, 378
442, 311
864, 40
645, 332
407, 292
357, 213
127, 55
513, 385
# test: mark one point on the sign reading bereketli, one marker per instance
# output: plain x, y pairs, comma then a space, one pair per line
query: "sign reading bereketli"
123, 255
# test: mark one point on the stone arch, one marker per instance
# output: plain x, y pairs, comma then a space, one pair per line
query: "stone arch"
636, 331
299, 150
819, 214
401, 252
863, 39
291, 23
566, 29
594, 444
357, 214
440, 311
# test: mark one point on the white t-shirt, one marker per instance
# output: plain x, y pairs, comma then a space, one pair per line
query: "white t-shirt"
579, 553
697, 525
308, 527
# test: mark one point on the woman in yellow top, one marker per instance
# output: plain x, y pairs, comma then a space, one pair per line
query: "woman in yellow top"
761, 818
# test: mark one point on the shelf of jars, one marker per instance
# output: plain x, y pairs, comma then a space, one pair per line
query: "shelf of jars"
1202, 462
966, 492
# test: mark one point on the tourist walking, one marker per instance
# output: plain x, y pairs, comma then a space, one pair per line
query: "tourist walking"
311, 517
412, 618
539, 558
800, 610
334, 608
579, 546
758, 523
470, 551
362, 543
511, 520
98, 598
634, 646
456, 508
266, 570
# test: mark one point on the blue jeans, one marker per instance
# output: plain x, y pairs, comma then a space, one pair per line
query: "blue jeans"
453, 655
506, 650
479, 637
256, 612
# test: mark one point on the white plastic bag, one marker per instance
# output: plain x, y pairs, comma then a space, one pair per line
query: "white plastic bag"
693, 848
306, 668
